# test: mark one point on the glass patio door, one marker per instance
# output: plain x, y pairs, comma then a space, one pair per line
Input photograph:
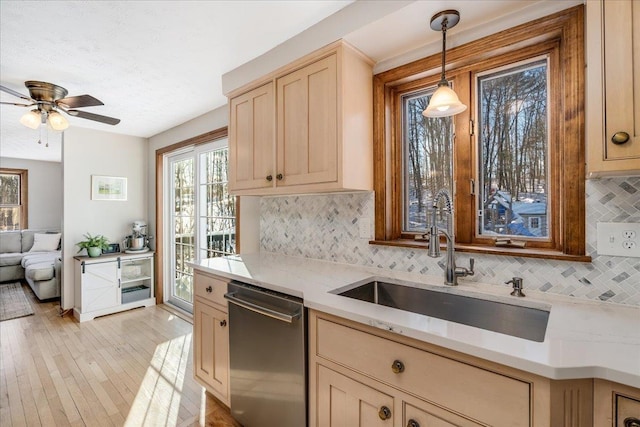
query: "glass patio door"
200, 216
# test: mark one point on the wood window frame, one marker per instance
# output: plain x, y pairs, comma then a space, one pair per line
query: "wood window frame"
24, 194
562, 33
204, 138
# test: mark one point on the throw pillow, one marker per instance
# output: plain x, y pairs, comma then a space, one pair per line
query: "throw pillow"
45, 242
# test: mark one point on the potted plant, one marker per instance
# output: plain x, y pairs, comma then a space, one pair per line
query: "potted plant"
94, 244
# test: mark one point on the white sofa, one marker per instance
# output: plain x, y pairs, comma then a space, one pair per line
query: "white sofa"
20, 260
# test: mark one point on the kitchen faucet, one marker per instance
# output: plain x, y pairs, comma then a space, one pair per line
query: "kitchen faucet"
451, 272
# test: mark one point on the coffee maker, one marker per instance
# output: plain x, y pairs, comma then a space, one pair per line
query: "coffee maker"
138, 240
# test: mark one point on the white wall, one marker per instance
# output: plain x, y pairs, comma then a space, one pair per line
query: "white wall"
89, 152
45, 191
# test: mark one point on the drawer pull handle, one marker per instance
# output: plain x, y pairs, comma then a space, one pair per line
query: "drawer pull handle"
209, 289
413, 423
223, 323
279, 177
269, 178
632, 422
384, 413
397, 367
620, 138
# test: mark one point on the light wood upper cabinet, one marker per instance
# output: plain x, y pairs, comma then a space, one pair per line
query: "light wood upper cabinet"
251, 139
314, 134
307, 136
613, 91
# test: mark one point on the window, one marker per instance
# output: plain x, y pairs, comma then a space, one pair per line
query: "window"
13, 199
514, 161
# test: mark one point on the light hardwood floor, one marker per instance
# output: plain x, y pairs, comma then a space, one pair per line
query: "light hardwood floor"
127, 369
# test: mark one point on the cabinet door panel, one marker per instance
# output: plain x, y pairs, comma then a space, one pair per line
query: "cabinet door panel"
307, 110
343, 402
431, 416
100, 287
622, 77
251, 139
211, 348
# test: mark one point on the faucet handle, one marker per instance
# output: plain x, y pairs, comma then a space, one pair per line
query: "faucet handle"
517, 286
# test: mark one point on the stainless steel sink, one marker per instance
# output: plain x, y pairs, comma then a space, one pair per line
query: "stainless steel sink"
518, 321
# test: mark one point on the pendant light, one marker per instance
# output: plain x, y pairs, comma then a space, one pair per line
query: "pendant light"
444, 102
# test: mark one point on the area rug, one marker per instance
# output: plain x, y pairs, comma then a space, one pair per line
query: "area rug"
13, 302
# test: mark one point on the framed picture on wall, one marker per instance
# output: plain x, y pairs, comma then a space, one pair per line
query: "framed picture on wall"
108, 188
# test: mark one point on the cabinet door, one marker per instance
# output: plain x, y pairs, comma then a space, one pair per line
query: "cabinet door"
622, 77
100, 286
211, 349
343, 402
251, 140
307, 141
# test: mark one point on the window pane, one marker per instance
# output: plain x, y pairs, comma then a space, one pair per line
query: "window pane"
513, 152
9, 218
9, 189
427, 159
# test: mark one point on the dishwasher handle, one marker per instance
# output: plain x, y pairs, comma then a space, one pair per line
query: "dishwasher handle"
284, 317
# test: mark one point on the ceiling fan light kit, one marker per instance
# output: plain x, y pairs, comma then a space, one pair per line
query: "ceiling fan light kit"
49, 99
444, 102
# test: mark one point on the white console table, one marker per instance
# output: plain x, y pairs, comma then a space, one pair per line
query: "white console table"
112, 283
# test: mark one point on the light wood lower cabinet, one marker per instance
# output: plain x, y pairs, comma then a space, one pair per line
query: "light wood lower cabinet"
357, 371
211, 336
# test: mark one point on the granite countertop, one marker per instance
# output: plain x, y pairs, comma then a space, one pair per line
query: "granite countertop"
584, 339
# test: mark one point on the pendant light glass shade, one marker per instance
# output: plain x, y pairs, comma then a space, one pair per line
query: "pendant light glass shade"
57, 121
444, 102
31, 119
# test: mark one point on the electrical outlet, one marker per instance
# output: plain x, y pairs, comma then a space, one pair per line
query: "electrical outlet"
364, 227
618, 239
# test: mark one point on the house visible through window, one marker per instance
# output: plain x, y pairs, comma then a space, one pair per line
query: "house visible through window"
13, 199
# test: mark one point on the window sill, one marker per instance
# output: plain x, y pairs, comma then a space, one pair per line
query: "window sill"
488, 250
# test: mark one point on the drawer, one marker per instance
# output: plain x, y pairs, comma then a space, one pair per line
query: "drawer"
475, 392
210, 288
628, 411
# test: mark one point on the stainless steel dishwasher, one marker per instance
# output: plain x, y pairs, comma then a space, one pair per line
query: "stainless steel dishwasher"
268, 357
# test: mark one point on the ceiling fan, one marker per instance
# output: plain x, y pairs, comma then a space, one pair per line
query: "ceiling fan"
48, 98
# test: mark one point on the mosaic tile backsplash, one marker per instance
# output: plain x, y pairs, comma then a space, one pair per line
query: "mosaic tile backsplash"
326, 227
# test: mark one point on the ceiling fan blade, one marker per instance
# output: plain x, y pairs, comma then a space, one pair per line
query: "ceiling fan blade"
79, 101
14, 93
92, 116
19, 105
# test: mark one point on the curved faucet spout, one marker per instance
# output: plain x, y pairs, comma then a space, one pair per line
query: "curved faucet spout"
451, 272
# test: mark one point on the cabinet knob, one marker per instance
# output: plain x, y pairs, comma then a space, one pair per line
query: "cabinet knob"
632, 422
413, 423
209, 289
269, 178
384, 413
397, 367
223, 323
620, 138
279, 177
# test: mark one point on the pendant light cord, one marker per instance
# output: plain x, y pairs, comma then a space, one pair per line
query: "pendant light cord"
443, 80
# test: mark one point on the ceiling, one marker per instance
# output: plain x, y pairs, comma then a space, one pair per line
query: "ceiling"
157, 64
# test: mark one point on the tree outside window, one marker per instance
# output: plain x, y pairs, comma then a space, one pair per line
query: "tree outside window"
13, 199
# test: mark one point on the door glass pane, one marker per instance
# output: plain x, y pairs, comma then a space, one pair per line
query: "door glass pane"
217, 207
183, 229
513, 152
427, 159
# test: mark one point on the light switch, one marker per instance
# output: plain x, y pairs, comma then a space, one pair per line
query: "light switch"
618, 239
